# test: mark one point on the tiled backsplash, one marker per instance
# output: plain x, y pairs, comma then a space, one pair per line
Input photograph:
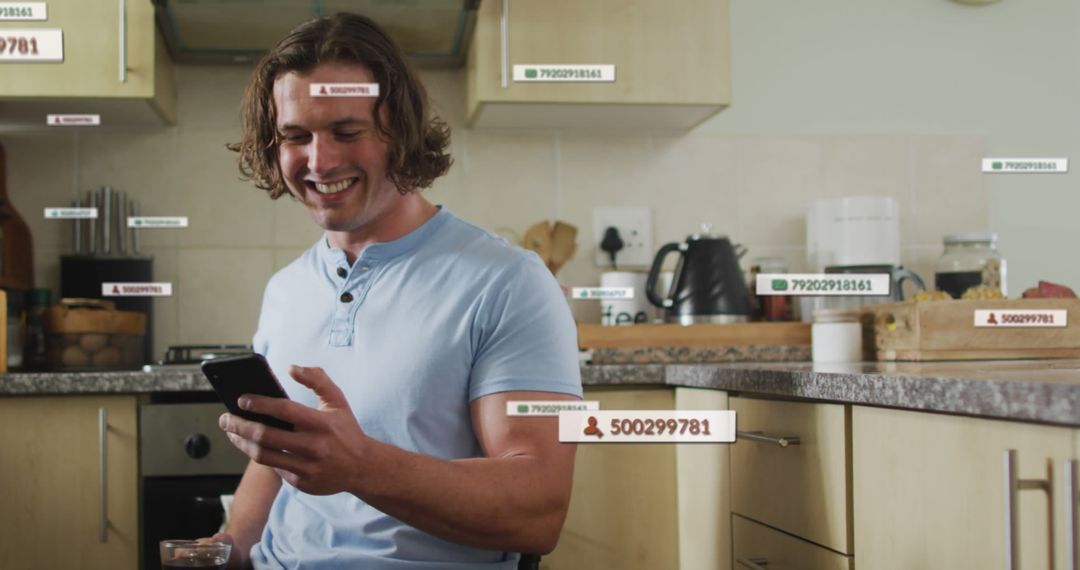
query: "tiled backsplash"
754, 189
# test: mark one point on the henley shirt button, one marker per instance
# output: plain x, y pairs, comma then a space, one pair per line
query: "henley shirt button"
341, 272
346, 297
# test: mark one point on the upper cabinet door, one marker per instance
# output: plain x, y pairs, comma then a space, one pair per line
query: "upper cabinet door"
106, 56
672, 62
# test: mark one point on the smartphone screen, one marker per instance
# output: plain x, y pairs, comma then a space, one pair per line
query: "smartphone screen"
247, 374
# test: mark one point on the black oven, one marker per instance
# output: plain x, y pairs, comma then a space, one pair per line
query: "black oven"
186, 464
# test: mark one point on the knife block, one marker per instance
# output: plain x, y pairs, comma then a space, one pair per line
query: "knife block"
83, 275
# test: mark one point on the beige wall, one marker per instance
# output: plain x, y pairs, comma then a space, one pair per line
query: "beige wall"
754, 188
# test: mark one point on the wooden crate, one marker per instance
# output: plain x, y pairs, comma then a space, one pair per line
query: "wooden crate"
945, 330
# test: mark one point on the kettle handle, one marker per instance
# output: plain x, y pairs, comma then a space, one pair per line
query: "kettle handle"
654, 274
905, 275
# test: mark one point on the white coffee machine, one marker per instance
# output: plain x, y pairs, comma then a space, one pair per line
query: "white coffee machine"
856, 230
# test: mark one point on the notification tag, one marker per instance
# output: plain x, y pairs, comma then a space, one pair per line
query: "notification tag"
647, 426
69, 213
73, 120
602, 293
548, 407
832, 284
1025, 165
30, 45
25, 11
344, 89
564, 73
136, 289
146, 222
1009, 318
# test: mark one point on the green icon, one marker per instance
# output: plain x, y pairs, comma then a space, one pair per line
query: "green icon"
996, 165
138, 222
530, 73
779, 284
523, 408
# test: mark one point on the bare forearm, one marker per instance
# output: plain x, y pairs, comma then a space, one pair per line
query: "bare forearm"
251, 506
501, 503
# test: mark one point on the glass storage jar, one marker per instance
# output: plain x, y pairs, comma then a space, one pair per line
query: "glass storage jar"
970, 260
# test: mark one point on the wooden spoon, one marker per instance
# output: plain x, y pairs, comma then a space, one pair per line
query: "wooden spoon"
563, 245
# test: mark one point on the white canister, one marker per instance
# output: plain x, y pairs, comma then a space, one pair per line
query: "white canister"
836, 336
625, 311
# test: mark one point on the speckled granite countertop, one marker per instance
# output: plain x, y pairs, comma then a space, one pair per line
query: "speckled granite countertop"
1046, 391
132, 382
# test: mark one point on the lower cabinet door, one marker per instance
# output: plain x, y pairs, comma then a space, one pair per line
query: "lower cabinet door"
53, 452
758, 547
622, 508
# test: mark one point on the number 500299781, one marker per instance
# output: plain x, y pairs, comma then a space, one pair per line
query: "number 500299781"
658, 426
20, 44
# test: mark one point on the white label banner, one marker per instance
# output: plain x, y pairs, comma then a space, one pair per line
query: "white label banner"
73, 120
29, 45
136, 289
344, 89
602, 293
548, 407
647, 426
543, 73
832, 284
144, 222
1025, 165
69, 213
13, 11
1009, 318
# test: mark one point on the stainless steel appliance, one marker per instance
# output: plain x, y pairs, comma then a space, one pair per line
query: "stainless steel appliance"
185, 461
708, 286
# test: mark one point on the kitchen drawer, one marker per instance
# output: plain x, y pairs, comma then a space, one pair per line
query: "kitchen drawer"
802, 489
758, 546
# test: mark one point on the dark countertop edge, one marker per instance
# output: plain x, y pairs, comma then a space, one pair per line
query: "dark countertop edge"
1027, 401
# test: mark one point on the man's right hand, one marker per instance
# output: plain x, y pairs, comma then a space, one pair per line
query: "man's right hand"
238, 556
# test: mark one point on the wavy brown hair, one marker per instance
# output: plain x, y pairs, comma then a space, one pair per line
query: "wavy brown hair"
417, 140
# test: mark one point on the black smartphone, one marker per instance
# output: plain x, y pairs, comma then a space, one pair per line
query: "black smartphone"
245, 374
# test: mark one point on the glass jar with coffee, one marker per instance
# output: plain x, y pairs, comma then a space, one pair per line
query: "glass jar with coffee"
970, 260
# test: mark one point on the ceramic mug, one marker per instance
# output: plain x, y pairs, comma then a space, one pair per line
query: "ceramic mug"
625, 311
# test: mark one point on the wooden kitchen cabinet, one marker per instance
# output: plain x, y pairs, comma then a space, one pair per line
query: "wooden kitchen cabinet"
672, 63
803, 489
623, 510
51, 460
89, 78
759, 546
704, 490
929, 491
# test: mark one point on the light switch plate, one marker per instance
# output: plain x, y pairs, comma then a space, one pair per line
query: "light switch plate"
635, 229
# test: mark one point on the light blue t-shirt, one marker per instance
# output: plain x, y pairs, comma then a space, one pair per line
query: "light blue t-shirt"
416, 329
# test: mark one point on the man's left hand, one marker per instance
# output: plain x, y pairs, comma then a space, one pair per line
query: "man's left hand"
323, 453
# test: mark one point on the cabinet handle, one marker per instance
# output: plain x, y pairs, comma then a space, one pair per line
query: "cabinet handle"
103, 463
1071, 513
504, 44
123, 42
781, 440
753, 563
1013, 486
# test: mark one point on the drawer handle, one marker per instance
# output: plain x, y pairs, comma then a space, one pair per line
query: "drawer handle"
781, 440
504, 44
753, 563
1013, 486
103, 464
1071, 497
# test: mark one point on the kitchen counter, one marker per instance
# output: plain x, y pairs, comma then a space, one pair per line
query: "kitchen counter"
128, 382
1045, 391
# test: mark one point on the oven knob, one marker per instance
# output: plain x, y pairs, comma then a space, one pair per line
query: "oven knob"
197, 445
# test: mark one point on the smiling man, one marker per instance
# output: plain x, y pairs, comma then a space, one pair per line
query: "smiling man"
399, 336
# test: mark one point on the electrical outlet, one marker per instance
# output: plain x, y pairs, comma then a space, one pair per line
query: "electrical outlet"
635, 229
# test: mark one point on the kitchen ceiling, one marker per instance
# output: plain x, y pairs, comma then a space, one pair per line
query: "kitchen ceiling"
433, 33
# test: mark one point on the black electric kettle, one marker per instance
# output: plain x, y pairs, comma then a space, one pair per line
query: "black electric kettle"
708, 285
